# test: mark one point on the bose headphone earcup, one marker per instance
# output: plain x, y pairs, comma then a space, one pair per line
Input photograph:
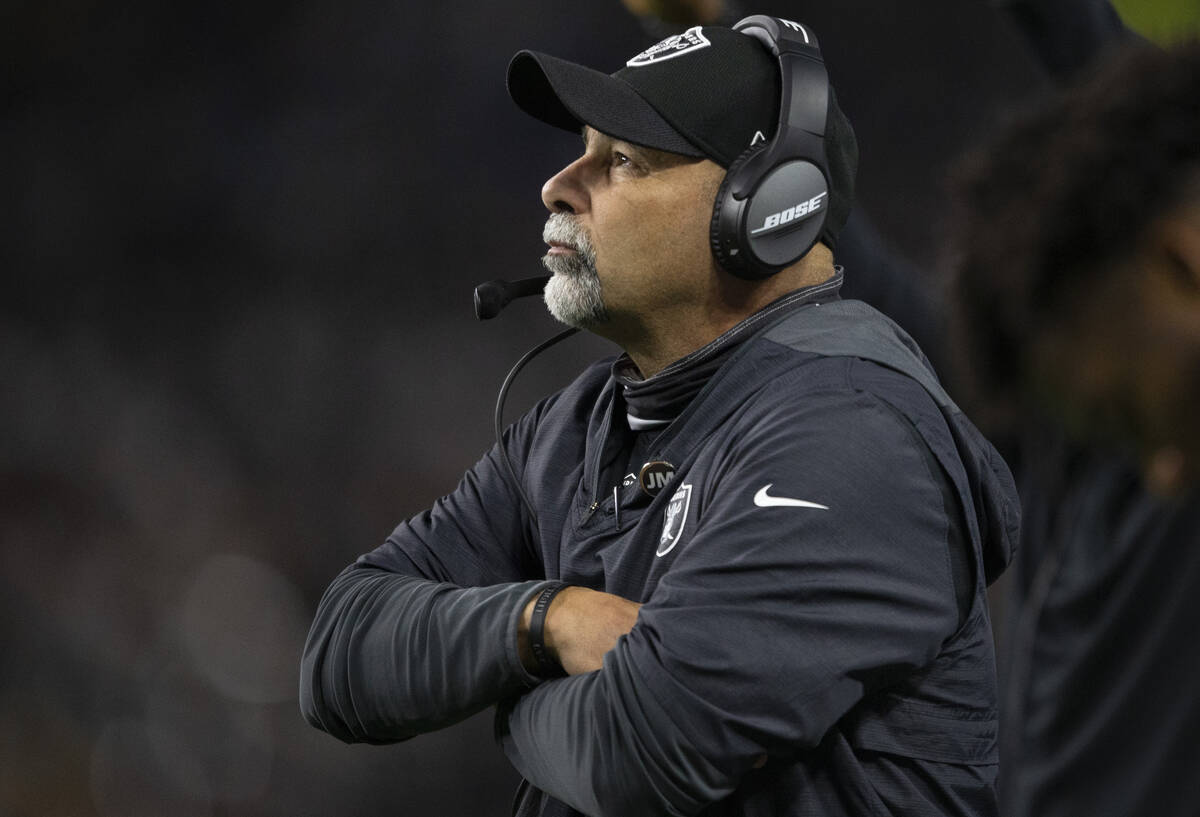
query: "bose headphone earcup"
777, 222
724, 237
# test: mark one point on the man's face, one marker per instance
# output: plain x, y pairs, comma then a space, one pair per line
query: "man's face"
628, 236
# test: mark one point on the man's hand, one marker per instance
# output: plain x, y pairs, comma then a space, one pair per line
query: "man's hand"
581, 626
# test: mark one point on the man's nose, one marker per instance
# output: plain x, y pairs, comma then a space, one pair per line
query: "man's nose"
565, 191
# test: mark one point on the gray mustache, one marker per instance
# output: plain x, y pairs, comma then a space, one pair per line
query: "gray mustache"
560, 229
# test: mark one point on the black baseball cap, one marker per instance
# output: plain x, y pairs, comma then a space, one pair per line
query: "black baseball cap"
709, 92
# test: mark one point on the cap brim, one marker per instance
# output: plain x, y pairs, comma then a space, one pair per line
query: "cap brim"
569, 96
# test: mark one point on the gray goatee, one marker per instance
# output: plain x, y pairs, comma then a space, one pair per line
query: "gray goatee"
573, 294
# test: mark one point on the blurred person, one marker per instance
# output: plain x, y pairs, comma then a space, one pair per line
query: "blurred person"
1078, 276
741, 568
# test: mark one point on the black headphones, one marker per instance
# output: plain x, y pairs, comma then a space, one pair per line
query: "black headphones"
773, 201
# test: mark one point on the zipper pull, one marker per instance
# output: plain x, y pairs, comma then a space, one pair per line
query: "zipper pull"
591, 510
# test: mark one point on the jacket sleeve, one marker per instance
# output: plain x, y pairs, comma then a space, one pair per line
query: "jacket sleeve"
773, 621
421, 632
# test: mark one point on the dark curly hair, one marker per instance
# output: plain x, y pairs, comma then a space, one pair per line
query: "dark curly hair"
1056, 201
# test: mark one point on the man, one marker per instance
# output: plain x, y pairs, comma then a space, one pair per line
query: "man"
741, 568
1079, 280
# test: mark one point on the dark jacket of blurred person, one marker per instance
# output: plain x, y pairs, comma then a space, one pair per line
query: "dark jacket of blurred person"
1078, 274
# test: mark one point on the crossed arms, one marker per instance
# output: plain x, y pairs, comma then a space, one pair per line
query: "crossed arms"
768, 627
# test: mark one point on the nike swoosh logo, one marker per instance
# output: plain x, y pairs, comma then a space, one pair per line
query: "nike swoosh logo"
764, 500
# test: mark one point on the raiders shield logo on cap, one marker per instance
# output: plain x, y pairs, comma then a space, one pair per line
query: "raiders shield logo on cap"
691, 40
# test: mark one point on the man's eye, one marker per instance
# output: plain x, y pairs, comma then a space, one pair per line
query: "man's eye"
619, 158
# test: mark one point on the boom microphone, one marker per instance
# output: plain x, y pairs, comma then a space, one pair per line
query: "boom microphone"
492, 296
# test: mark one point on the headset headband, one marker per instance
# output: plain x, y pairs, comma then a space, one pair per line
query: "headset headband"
804, 100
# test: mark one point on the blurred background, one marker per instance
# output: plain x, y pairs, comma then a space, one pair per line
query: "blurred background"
237, 347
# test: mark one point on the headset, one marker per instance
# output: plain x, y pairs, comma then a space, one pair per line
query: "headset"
772, 204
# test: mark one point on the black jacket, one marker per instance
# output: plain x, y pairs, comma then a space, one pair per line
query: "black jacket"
813, 585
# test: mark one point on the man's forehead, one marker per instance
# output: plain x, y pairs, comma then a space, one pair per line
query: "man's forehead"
590, 134
596, 138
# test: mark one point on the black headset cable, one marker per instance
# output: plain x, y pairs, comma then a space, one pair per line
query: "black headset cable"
499, 416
